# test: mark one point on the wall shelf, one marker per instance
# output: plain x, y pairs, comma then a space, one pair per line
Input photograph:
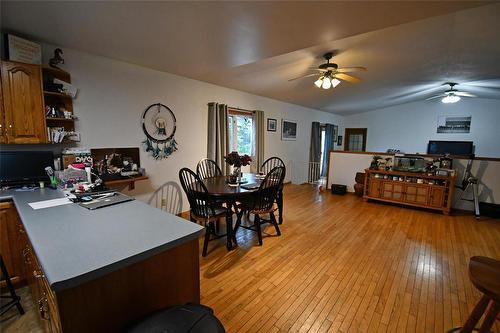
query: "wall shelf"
130, 182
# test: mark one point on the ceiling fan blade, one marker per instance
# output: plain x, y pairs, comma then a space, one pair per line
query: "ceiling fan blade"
464, 94
351, 69
348, 78
436, 96
303, 76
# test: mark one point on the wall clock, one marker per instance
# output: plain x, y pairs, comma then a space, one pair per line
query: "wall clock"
159, 125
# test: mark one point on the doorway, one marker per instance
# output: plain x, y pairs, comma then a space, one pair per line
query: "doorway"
355, 139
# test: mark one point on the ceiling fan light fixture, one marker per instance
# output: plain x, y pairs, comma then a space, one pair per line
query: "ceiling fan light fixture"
335, 82
318, 82
452, 98
326, 83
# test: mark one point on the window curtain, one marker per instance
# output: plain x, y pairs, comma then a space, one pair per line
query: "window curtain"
315, 152
329, 144
217, 135
258, 121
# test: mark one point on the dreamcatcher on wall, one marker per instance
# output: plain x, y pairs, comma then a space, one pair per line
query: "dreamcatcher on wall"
158, 123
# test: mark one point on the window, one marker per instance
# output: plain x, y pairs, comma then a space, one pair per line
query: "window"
241, 133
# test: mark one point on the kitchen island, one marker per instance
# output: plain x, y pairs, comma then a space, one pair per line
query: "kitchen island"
101, 270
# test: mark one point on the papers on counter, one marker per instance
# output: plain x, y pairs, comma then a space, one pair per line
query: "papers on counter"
49, 203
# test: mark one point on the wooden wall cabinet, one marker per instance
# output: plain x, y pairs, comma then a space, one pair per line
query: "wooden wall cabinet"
399, 187
10, 242
23, 115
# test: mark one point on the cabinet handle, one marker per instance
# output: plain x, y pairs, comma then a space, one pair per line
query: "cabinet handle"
21, 229
38, 274
26, 253
42, 308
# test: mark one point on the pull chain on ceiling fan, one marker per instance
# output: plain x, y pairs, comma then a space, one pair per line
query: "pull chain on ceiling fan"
330, 75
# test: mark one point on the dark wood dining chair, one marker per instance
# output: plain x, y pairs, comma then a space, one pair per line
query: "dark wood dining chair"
266, 167
207, 168
203, 209
262, 202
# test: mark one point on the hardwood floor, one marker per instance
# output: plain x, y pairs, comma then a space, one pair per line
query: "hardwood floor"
344, 265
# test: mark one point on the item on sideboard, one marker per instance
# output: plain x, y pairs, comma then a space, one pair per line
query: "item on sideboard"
393, 151
57, 59
446, 162
375, 162
388, 163
420, 181
339, 189
236, 161
409, 163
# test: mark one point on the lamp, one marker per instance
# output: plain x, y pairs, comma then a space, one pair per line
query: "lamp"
326, 83
335, 82
451, 98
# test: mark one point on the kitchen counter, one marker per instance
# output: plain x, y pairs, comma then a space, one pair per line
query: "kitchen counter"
75, 245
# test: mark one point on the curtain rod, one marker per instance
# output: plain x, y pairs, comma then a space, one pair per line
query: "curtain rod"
238, 109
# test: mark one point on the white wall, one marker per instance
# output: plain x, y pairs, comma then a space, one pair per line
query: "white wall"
409, 127
113, 95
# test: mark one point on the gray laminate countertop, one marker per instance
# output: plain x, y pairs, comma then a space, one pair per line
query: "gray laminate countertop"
75, 245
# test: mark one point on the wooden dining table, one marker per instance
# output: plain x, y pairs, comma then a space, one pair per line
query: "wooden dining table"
221, 191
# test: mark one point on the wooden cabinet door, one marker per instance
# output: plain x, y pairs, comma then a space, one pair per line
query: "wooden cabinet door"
10, 242
392, 190
416, 194
436, 197
23, 103
375, 188
3, 138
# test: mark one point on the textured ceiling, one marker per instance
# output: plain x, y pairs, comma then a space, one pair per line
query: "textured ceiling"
409, 48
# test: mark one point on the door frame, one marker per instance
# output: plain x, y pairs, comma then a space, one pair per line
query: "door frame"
350, 131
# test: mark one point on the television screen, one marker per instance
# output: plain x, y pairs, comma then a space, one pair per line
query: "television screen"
22, 167
462, 148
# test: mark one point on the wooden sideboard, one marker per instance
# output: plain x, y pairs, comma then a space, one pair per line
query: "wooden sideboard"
410, 188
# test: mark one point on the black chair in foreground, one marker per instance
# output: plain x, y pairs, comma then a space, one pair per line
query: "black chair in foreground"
189, 318
262, 202
266, 167
14, 300
207, 168
203, 209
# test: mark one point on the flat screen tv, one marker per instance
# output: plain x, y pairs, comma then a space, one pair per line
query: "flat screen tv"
461, 148
24, 167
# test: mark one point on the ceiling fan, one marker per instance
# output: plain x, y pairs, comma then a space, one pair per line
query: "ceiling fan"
451, 95
330, 74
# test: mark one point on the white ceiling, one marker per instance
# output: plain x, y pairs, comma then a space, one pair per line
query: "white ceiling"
410, 48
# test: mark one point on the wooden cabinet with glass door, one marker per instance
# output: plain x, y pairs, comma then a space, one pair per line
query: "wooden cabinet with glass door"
23, 116
412, 189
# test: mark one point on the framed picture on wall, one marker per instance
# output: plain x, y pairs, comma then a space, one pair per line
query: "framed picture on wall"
335, 132
23, 50
339, 140
288, 130
271, 125
454, 124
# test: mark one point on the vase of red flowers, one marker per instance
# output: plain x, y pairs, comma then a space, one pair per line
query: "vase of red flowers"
237, 161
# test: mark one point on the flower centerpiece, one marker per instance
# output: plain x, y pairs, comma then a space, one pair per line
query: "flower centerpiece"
237, 161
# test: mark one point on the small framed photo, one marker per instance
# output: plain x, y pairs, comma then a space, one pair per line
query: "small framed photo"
339, 140
288, 130
271, 124
23, 50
